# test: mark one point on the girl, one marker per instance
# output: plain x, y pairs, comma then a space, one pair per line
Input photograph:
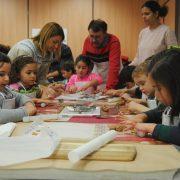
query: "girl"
23, 77
83, 79
165, 78
21, 105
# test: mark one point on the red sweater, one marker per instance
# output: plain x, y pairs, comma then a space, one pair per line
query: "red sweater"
109, 52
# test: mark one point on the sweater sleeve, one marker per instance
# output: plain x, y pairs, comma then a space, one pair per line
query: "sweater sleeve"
170, 134
114, 65
21, 99
155, 115
12, 115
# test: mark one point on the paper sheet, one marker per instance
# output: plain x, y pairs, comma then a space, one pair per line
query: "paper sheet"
45, 117
20, 149
93, 145
7, 129
67, 112
81, 97
69, 130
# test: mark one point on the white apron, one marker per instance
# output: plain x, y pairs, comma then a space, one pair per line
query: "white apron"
90, 90
8, 103
166, 120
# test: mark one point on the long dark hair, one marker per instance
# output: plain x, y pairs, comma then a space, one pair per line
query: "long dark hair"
18, 64
86, 60
155, 7
167, 73
4, 59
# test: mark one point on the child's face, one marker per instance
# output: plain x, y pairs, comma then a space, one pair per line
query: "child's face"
4, 75
82, 69
161, 92
28, 74
142, 81
66, 74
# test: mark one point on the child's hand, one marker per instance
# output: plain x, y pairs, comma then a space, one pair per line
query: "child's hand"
84, 88
72, 89
30, 108
110, 92
128, 122
145, 127
126, 97
54, 90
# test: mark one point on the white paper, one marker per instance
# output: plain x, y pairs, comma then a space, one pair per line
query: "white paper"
15, 150
69, 130
7, 129
93, 145
67, 112
44, 117
81, 97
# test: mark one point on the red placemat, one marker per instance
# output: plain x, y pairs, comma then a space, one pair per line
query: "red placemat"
93, 119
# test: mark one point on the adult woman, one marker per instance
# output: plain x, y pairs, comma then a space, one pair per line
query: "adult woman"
62, 55
41, 48
156, 37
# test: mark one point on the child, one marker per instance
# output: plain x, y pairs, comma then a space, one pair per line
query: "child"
23, 77
83, 79
13, 106
165, 79
140, 78
67, 70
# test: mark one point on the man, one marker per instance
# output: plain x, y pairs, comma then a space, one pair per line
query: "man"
104, 50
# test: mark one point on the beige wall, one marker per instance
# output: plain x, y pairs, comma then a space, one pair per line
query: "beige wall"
13, 23
123, 18
71, 14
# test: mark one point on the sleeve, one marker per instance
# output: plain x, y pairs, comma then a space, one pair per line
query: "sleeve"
21, 99
85, 47
154, 115
18, 51
71, 81
170, 38
12, 115
114, 65
97, 77
170, 134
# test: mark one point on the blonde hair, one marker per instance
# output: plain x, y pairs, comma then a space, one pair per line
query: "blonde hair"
49, 30
141, 69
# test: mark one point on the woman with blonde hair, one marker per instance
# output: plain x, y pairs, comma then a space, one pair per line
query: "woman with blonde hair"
41, 48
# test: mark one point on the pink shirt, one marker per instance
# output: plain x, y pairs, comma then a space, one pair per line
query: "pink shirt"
75, 79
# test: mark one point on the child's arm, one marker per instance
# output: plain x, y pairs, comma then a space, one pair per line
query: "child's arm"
136, 107
52, 74
95, 80
92, 83
25, 102
12, 115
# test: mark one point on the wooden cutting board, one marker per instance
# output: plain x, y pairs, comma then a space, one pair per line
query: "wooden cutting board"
109, 152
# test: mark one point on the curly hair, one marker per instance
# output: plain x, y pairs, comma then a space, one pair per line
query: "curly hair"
18, 64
